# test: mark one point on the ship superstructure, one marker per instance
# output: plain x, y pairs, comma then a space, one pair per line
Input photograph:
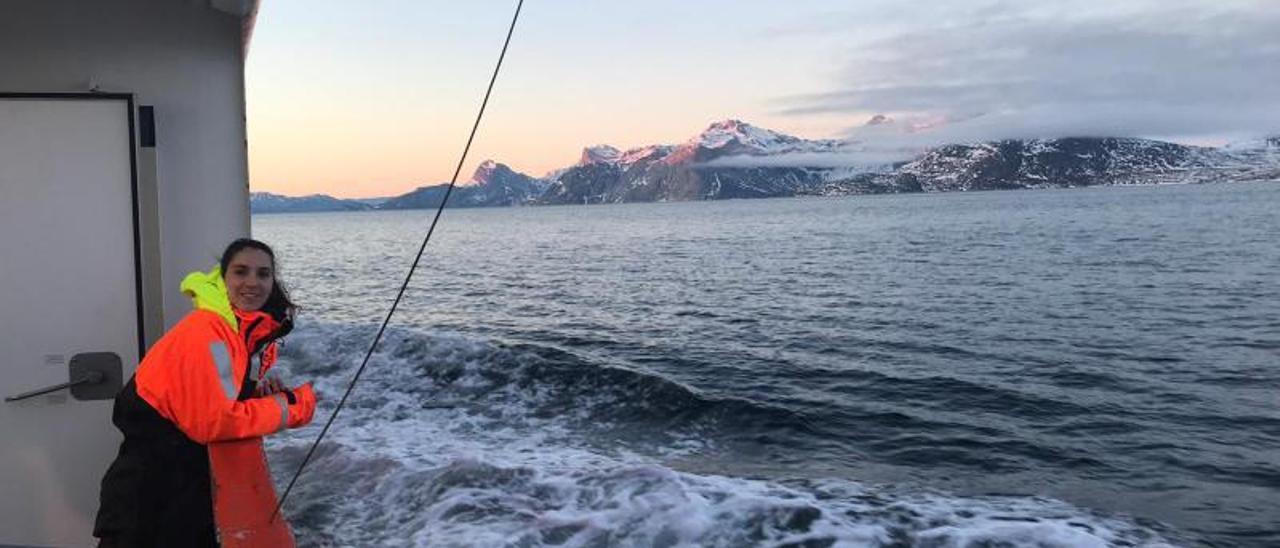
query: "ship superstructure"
123, 166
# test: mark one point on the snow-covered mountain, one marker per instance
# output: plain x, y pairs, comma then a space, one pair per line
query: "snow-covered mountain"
727, 138
733, 159
737, 138
492, 184
701, 168
599, 154
728, 160
1068, 162
1051, 162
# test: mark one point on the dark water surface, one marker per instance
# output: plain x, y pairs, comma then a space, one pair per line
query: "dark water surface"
1031, 368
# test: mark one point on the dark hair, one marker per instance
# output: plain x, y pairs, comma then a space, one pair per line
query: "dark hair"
278, 304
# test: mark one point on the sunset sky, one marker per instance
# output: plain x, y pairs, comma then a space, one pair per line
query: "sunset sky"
376, 98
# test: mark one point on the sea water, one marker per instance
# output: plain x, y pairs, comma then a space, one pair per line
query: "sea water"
1087, 367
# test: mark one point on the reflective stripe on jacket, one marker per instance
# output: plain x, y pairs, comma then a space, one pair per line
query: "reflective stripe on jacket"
194, 376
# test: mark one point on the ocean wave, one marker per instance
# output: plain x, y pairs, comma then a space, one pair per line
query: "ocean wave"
452, 440
563, 498
825, 347
524, 385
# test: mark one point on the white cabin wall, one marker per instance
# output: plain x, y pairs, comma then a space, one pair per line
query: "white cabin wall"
185, 59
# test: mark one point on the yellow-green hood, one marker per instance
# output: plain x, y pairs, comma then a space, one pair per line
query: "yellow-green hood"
209, 292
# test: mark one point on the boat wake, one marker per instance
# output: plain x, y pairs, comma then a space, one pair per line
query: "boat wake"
457, 441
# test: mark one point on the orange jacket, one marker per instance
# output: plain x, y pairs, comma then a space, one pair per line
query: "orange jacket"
195, 375
191, 470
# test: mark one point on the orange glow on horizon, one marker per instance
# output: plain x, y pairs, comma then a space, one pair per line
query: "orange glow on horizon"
373, 103
392, 160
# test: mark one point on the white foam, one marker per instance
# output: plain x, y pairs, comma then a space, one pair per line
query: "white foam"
488, 472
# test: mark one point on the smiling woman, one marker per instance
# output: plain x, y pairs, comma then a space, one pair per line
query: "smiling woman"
191, 469
248, 268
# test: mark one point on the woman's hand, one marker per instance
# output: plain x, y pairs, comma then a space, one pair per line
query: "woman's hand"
302, 405
270, 385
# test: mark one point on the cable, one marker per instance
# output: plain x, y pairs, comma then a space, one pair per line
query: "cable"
416, 260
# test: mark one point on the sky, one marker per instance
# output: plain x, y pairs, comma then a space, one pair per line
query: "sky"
376, 98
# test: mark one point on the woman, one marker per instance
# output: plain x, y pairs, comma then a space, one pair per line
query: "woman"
195, 411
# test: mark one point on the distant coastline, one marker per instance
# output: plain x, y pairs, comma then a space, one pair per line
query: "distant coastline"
733, 159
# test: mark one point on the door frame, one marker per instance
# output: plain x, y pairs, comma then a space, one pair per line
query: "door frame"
130, 115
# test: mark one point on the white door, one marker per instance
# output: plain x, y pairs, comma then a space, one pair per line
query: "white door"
68, 285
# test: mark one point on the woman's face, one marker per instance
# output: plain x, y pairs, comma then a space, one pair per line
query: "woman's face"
249, 278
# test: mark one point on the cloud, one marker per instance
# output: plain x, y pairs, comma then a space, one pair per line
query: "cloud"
868, 159
1002, 70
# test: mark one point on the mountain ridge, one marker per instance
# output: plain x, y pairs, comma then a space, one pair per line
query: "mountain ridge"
267, 202
734, 159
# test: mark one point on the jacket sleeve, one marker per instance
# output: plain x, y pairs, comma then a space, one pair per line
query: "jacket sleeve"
302, 405
189, 378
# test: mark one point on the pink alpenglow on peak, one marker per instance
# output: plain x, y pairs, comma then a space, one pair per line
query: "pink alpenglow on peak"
720, 134
605, 154
737, 138
599, 154
640, 154
482, 174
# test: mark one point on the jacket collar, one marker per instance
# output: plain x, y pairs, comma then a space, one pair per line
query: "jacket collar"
209, 292
258, 328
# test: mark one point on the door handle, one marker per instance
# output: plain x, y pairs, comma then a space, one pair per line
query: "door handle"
90, 377
94, 376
